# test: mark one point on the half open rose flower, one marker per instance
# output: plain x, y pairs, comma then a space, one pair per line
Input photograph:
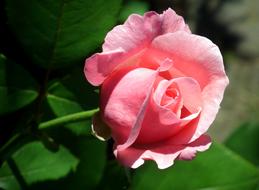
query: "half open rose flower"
161, 88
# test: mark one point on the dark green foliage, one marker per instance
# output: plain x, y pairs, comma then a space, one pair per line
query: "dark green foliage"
61, 32
53, 34
115, 176
17, 87
88, 172
37, 164
70, 95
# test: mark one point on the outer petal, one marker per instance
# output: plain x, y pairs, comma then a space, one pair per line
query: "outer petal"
171, 22
120, 44
201, 144
128, 39
139, 31
199, 58
100, 65
194, 55
163, 154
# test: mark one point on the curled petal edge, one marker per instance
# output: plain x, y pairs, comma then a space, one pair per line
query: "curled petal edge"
164, 154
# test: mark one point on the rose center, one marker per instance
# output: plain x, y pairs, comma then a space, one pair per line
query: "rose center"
171, 95
172, 92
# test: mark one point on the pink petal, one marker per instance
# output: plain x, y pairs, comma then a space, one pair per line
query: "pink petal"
161, 122
199, 58
134, 133
128, 39
201, 144
173, 22
212, 95
139, 31
134, 157
195, 56
190, 92
120, 44
145, 107
160, 91
100, 65
122, 97
164, 154
185, 135
136, 32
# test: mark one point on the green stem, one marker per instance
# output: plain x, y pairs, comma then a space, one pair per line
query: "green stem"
9, 142
11, 163
80, 116
18, 140
128, 174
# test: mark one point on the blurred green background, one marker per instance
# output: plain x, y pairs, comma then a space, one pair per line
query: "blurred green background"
43, 44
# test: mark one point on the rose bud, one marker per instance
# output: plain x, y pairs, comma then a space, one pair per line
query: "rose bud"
160, 89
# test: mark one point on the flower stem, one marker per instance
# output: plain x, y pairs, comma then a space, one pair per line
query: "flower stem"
80, 116
11, 163
128, 174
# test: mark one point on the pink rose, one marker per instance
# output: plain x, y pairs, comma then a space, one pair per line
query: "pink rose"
161, 87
